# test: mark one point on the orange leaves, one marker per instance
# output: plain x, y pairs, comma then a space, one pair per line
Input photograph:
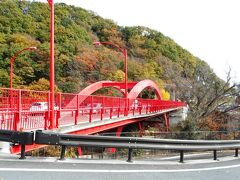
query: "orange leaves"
87, 58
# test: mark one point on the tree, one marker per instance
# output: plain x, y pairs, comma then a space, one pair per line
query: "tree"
205, 92
165, 94
118, 76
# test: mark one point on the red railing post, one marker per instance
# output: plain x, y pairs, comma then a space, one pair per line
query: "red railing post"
46, 119
19, 108
118, 113
133, 107
47, 114
91, 110
17, 117
127, 106
77, 111
111, 111
59, 96
139, 110
102, 110
147, 107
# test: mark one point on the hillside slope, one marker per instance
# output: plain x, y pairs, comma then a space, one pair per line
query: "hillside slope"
78, 62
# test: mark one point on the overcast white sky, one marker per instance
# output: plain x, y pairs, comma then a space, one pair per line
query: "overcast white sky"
209, 29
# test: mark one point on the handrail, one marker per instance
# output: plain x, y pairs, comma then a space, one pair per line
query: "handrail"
51, 138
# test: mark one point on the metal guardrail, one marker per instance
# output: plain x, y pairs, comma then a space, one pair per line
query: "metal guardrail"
17, 137
64, 140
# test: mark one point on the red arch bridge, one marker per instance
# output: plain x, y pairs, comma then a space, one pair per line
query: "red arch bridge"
82, 113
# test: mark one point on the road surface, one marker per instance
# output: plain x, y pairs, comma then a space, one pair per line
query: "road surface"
199, 167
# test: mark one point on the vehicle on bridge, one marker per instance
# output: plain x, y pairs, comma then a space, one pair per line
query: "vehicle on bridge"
96, 108
40, 108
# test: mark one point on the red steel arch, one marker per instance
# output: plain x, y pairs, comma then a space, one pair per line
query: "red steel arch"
89, 90
136, 88
140, 86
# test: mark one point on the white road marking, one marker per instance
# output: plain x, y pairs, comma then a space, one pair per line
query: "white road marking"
117, 171
185, 155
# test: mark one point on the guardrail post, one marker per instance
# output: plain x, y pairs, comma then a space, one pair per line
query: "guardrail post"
214, 154
22, 152
130, 150
236, 152
181, 156
63, 150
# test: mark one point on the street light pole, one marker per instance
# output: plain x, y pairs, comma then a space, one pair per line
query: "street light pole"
124, 52
12, 61
125, 69
51, 4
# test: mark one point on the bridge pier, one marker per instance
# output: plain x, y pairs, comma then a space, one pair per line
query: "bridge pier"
118, 134
167, 122
79, 150
140, 129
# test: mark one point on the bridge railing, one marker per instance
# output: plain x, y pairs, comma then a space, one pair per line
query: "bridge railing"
27, 110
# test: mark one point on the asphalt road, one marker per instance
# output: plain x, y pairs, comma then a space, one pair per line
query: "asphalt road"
195, 167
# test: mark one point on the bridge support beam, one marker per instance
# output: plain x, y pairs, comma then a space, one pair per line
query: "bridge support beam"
167, 122
119, 131
140, 129
118, 134
79, 150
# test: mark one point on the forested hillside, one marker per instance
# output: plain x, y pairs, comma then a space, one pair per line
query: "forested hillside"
151, 55
78, 62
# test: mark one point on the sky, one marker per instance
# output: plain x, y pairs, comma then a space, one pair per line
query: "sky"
209, 29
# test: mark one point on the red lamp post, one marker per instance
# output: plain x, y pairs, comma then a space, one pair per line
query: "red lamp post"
124, 52
51, 5
12, 61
